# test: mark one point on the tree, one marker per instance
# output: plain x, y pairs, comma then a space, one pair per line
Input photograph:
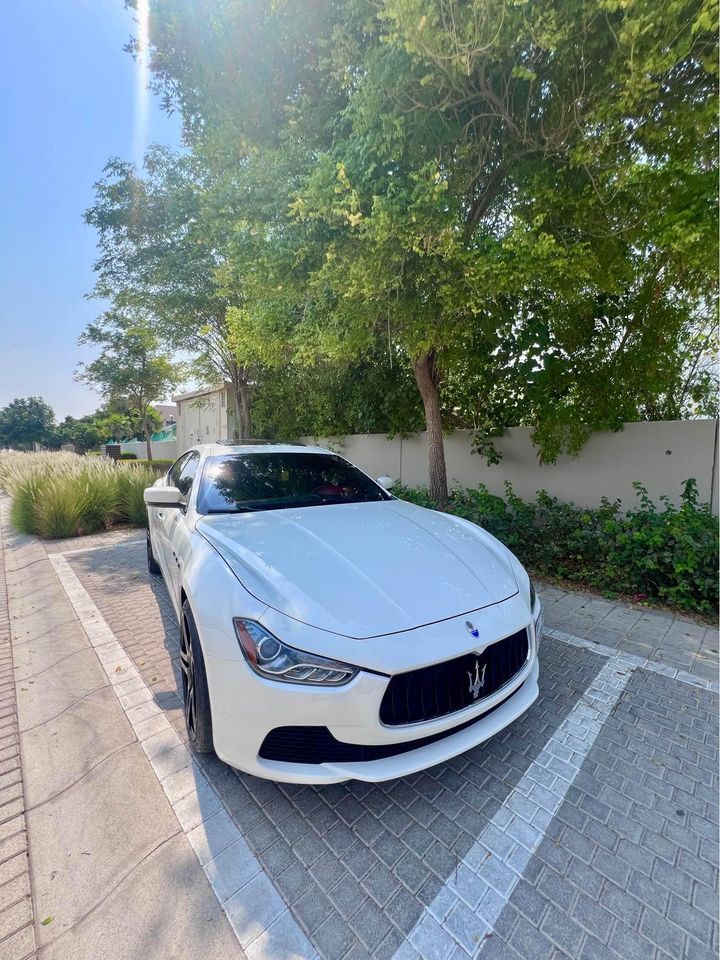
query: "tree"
115, 420
161, 253
115, 425
443, 172
118, 419
84, 433
131, 365
26, 421
496, 159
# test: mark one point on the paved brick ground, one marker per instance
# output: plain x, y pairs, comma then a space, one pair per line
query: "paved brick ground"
628, 866
17, 936
658, 636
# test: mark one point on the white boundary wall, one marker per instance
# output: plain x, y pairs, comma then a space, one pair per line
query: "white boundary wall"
161, 449
660, 454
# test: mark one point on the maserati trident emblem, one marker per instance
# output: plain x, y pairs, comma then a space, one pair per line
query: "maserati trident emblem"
478, 681
472, 629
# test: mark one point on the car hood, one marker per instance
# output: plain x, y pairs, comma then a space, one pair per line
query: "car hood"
363, 569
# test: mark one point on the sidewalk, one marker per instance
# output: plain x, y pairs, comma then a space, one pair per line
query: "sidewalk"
17, 933
113, 875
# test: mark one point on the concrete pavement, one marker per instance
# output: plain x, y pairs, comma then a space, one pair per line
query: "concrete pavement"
113, 874
17, 931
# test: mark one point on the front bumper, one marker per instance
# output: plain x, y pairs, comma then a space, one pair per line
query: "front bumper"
246, 708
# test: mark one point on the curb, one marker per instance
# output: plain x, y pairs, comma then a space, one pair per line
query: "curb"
17, 929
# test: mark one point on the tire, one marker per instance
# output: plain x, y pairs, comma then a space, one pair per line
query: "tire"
152, 564
196, 697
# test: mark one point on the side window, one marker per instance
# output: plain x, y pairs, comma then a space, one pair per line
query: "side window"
187, 475
176, 469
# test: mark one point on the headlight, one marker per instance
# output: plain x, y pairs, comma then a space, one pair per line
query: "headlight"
271, 658
537, 614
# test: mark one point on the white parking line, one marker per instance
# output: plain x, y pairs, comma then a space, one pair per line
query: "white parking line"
630, 660
264, 926
489, 872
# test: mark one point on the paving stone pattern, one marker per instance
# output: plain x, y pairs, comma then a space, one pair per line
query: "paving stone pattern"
628, 866
655, 635
17, 935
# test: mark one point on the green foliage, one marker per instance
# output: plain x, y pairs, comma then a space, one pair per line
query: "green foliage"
132, 364
85, 433
95, 499
675, 548
26, 421
54, 511
65, 495
115, 420
25, 495
667, 555
334, 399
162, 244
118, 420
74, 505
128, 456
523, 194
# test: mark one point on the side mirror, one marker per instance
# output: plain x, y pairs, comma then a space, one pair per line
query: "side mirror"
162, 497
386, 482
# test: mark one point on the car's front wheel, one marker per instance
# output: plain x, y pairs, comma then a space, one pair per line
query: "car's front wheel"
196, 698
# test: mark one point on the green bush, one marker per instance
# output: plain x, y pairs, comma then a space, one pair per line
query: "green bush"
128, 456
668, 554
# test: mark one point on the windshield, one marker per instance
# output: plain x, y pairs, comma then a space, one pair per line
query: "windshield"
236, 483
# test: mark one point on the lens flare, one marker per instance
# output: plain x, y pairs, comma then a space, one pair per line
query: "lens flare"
141, 93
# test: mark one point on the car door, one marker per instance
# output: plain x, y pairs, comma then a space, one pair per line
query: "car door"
175, 530
158, 518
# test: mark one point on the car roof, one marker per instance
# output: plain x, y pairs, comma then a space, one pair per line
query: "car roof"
215, 449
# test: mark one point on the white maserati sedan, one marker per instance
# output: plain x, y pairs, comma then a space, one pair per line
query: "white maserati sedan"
330, 631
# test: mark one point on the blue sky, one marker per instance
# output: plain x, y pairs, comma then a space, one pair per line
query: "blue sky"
68, 104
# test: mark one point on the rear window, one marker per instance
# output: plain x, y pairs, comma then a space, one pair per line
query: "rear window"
237, 483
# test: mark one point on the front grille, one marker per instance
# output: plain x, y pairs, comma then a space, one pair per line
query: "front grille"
446, 687
317, 745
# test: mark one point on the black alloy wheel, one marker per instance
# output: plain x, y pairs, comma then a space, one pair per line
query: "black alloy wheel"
196, 699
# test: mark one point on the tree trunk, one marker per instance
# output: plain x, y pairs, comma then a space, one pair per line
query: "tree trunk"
427, 377
237, 432
146, 427
241, 401
244, 392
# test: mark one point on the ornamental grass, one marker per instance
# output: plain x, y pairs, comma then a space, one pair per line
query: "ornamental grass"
67, 495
